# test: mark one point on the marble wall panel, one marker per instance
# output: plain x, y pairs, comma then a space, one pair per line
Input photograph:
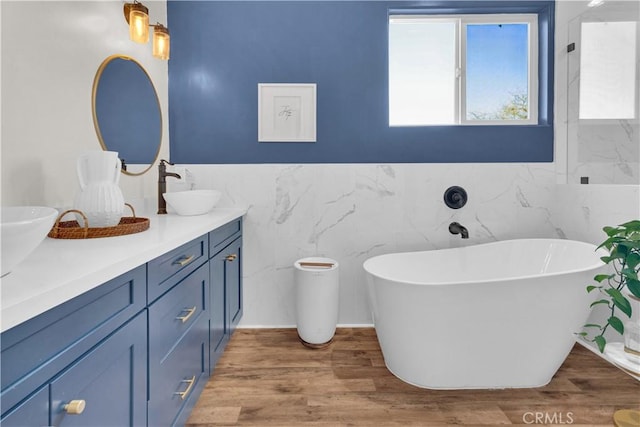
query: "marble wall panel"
351, 212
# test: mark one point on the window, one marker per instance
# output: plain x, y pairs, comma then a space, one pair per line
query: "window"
463, 69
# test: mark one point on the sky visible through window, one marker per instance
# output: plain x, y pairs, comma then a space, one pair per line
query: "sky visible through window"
497, 70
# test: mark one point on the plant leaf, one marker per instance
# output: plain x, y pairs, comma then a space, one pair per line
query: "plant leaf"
616, 324
592, 287
612, 231
620, 251
600, 277
601, 342
629, 273
600, 301
632, 225
620, 301
591, 325
633, 259
634, 287
610, 242
630, 244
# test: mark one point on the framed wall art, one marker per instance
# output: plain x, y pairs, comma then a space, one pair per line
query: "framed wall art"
286, 112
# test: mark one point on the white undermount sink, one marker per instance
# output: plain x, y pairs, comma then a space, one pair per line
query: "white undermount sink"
192, 202
23, 229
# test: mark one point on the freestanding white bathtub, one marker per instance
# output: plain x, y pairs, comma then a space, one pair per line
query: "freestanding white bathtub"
495, 315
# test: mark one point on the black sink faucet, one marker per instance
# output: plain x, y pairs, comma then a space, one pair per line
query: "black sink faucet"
456, 228
162, 184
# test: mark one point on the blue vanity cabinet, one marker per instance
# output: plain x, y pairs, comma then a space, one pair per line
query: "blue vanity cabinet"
134, 351
225, 265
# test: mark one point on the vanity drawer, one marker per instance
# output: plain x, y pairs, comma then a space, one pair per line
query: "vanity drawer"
168, 269
176, 383
34, 351
221, 236
173, 314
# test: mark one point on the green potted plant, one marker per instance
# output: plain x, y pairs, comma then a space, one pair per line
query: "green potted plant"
621, 284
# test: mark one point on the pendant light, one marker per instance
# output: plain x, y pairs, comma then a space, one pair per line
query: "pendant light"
137, 16
161, 42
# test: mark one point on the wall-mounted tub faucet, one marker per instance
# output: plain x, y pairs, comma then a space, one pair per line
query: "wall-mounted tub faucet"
457, 228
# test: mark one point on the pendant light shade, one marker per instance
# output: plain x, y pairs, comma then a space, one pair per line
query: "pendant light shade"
161, 42
138, 18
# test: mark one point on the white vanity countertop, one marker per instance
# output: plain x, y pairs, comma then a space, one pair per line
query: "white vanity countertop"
61, 269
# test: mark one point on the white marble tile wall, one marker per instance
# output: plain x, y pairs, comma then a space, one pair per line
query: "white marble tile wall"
581, 211
607, 153
351, 212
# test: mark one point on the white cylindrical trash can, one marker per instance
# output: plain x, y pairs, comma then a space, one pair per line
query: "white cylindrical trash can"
317, 290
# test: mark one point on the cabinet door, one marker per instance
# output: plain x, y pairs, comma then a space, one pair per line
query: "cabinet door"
219, 327
111, 379
34, 412
226, 297
233, 283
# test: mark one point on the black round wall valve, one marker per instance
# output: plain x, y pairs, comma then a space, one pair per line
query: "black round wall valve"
455, 197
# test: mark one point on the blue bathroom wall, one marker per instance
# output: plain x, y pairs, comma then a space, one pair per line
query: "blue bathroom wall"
221, 50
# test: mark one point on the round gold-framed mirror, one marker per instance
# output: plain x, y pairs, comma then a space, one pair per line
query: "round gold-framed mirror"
126, 113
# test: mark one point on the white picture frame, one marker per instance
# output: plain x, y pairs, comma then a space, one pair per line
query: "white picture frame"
286, 112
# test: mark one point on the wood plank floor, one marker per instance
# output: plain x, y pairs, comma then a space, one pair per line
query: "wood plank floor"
267, 378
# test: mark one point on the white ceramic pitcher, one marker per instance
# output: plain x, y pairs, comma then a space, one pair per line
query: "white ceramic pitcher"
100, 197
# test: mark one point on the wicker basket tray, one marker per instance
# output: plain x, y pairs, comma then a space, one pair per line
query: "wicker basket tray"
73, 230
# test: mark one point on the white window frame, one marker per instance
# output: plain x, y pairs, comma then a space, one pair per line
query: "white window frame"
461, 22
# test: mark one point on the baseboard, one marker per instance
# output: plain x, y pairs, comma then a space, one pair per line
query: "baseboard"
340, 325
355, 325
